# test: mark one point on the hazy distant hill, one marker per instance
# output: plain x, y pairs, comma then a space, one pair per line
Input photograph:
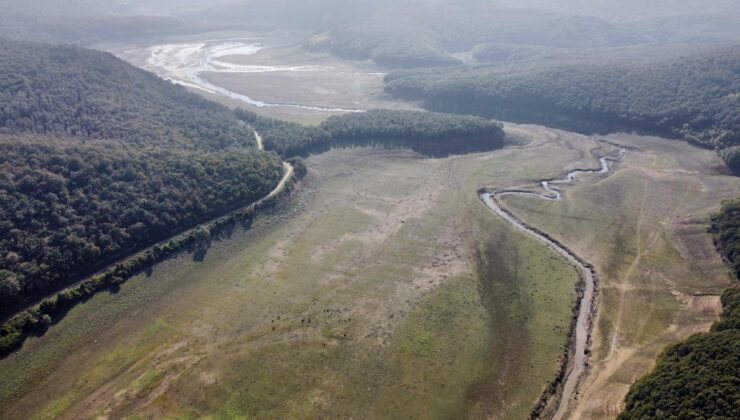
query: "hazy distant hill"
424, 33
98, 8
69, 91
689, 28
694, 96
84, 22
627, 10
401, 33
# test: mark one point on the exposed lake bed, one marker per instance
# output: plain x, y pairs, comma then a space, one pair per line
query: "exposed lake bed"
243, 70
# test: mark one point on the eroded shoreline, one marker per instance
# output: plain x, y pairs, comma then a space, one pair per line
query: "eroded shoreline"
184, 64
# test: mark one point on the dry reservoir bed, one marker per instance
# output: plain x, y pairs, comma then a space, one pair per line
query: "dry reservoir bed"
394, 292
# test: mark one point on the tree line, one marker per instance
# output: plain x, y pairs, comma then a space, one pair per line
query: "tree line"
69, 208
100, 159
391, 46
73, 92
429, 133
700, 377
37, 319
694, 97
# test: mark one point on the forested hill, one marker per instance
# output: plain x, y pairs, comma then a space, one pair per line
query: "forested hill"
68, 207
99, 160
726, 227
700, 377
429, 133
74, 92
696, 97
83, 22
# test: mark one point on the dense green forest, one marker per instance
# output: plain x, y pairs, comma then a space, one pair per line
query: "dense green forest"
726, 227
695, 97
68, 207
100, 159
73, 92
699, 377
285, 138
429, 133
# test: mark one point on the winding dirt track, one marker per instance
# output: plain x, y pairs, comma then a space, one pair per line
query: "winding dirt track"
184, 63
579, 337
287, 173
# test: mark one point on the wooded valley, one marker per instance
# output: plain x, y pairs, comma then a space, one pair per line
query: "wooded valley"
101, 159
309, 209
431, 134
694, 97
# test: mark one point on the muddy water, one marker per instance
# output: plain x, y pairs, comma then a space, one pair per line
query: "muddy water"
579, 340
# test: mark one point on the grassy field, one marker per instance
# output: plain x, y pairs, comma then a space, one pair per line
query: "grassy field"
392, 291
644, 228
387, 290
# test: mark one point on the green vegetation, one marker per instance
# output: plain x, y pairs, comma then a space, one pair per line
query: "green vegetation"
410, 34
726, 227
699, 377
73, 92
387, 45
37, 319
69, 208
379, 255
429, 133
101, 160
413, 33
285, 138
694, 97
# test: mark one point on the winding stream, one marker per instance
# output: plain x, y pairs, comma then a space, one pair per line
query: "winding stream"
579, 336
183, 64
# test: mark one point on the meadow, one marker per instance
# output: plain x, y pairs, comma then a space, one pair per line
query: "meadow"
645, 230
385, 288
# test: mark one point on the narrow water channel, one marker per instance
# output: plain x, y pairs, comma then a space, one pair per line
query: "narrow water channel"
576, 365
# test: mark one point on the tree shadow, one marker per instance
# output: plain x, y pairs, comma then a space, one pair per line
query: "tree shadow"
200, 249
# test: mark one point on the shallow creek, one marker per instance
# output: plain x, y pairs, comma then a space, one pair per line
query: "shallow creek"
576, 365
